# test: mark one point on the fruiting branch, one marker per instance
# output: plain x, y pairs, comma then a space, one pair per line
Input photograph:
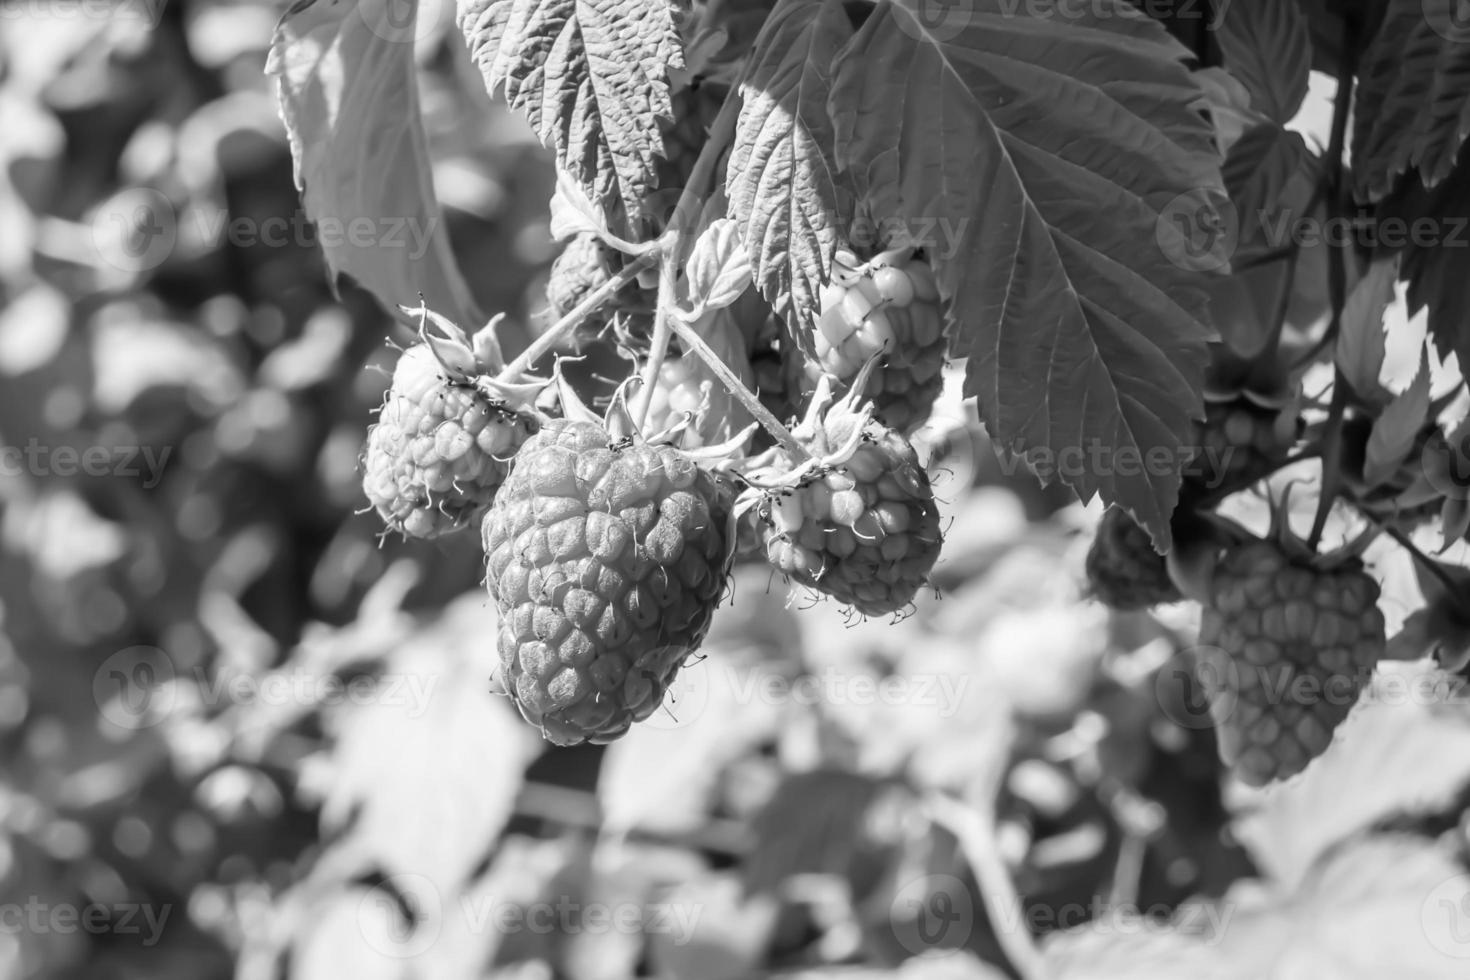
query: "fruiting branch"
695, 343
590, 303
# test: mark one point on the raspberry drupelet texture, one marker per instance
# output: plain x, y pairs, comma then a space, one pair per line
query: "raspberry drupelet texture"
1296, 641
888, 308
439, 449
864, 531
606, 562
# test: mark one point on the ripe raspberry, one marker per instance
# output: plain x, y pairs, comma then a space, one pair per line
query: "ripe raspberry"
859, 520
606, 562
1240, 442
1300, 638
441, 445
1123, 569
891, 305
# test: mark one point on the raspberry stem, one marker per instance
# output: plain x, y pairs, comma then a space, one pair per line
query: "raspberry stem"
553, 335
691, 339
975, 828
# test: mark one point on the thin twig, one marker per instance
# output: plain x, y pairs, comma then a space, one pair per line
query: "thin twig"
659, 347
691, 339
554, 334
974, 826
1336, 284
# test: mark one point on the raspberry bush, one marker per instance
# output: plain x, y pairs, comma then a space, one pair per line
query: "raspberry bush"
950, 466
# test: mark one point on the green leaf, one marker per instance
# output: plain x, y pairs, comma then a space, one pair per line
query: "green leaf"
1395, 431
1266, 46
348, 94
1360, 339
1270, 175
1432, 235
782, 179
1413, 100
592, 77
1077, 172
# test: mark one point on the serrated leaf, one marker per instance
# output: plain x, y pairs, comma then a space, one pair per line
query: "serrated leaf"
1412, 108
1395, 431
592, 78
1360, 339
1270, 174
1266, 46
1079, 171
1405, 749
785, 193
718, 270
348, 93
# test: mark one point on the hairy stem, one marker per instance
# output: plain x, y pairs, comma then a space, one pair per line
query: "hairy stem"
593, 301
692, 340
659, 347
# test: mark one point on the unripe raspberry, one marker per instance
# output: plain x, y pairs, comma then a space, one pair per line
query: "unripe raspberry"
888, 308
441, 446
605, 561
857, 519
1240, 442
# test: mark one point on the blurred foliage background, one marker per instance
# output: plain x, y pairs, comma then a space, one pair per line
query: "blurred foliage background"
244, 734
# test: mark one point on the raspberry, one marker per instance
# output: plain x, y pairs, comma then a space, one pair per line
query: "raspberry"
687, 393
1300, 637
441, 445
858, 521
890, 305
583, 265
1240, 442
605, 561
1123, 569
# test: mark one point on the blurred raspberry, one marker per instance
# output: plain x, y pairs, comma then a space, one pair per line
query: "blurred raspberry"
1123, 569
1301, 637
